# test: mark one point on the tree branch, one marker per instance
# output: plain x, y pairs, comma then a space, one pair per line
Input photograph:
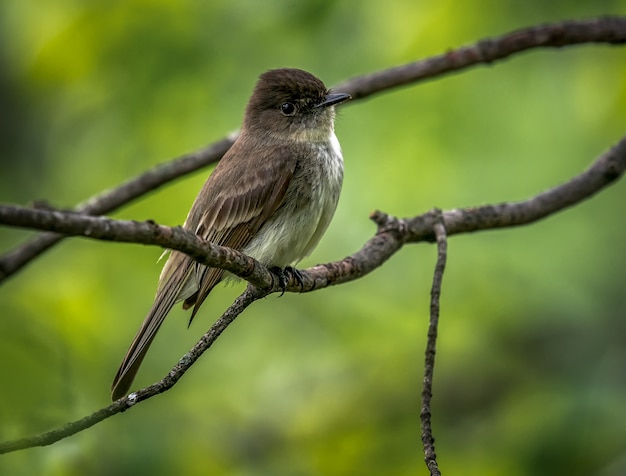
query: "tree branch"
250, 295
610, 30
392, 234
147, 233
110, 200
428, 441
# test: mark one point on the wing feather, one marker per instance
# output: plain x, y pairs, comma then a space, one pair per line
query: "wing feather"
245, 189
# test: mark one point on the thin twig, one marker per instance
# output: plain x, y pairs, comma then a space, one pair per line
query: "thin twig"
428, 440
250, 295
611, 30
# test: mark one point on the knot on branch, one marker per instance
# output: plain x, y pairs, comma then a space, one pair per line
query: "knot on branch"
389, 224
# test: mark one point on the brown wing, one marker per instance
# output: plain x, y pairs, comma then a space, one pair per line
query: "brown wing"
238, 216
244, 190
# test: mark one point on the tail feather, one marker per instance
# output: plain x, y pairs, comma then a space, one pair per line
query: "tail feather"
172, 282
139, 347
181, 279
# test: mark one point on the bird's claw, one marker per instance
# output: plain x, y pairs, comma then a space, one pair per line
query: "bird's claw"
285, 275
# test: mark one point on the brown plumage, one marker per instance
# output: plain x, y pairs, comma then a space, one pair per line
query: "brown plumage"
271, 196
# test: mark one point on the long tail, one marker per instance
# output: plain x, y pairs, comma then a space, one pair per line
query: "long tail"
174, 278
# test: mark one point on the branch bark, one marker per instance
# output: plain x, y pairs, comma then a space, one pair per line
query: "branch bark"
111, 200
428, 441
392, 234
607, 29
611, 30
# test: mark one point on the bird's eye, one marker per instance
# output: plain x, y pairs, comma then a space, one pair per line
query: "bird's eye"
288, 109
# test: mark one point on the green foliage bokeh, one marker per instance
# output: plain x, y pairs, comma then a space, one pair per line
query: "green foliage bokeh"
532, 350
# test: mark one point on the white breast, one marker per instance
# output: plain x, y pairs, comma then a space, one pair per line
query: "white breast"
310, 202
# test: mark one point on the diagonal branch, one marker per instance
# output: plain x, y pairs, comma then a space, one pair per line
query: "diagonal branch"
606, 29
250, 295
111, 200
611, 30
147, 233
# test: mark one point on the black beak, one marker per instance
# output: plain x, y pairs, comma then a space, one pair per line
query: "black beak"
334, 98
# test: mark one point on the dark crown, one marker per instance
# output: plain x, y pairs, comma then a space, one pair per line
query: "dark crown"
287, 84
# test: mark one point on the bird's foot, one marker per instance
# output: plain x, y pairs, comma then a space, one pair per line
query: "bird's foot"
285, 275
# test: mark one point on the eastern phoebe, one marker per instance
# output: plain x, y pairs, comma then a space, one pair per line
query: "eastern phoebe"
271, 196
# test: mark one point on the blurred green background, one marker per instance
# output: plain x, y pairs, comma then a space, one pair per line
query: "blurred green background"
531, 364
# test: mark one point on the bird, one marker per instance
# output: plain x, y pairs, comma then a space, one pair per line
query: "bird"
271, 196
